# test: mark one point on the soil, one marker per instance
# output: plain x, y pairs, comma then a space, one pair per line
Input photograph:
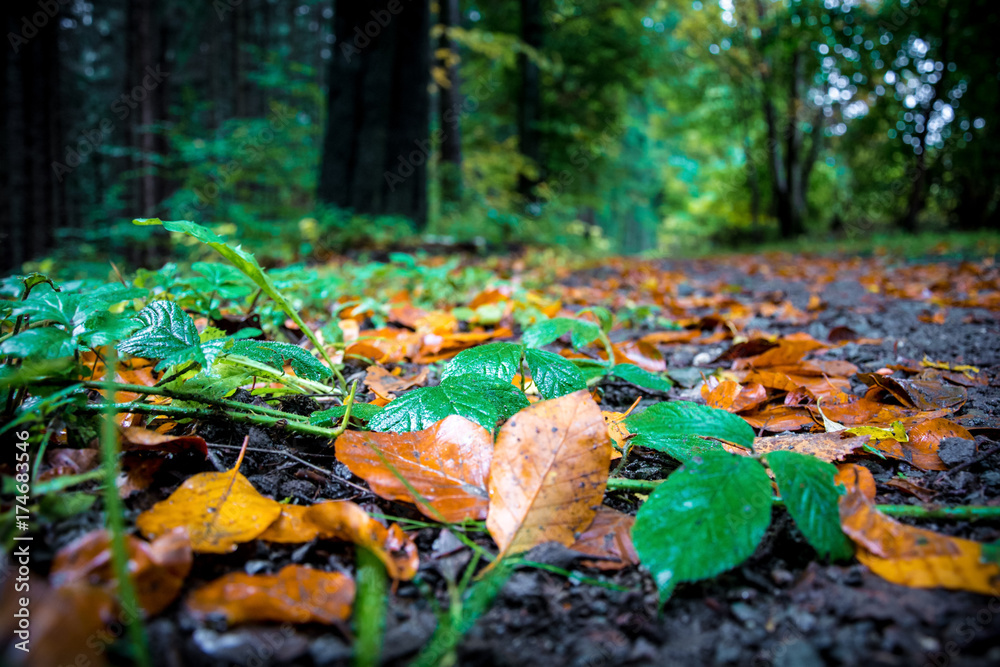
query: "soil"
781, 607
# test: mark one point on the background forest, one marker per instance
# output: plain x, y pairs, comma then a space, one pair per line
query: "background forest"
324, 126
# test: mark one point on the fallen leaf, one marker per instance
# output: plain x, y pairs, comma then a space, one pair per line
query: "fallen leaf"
921, 450
296, 594
907, 555
921, 492
617, 429
446, 464
386, 385
920, 394
608, 537
219, 510
824, 446
157, 569
778, 418
344, 520
136, 438
734, 397
550, 467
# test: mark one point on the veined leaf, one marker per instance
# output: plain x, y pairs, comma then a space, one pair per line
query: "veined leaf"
806, 485
683, 429
494, 360
478, 401
709, 516
169, 334
553, 374
541, 334
245, 262
274, 354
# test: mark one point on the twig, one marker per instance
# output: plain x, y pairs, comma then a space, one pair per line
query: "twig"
293, 457
968, 464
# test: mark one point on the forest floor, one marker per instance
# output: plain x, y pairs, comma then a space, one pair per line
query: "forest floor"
783, 606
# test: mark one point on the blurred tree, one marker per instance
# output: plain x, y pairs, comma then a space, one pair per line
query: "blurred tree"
377, 138
450, 101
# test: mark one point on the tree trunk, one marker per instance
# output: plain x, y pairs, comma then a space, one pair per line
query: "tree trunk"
450, 103
377, 131
529, 101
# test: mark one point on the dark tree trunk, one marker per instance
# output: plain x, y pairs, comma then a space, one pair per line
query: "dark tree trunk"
450, 103
31, 205
917, 199
529, 102
377, 131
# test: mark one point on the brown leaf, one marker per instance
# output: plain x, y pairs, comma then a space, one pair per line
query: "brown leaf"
907, 555
65, 461
344, 520
920, 394
297, 594
789, 352
778, 418
925, 439
550, 467
157, 569
219, 510
386, 385
609, 536
825, 446
138, 439
67, 624
446, 464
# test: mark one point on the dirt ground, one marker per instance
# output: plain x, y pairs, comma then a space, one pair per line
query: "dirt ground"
780, 608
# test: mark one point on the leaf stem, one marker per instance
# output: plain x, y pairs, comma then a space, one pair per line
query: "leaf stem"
204, 413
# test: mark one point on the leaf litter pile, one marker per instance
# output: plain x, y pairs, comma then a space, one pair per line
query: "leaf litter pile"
754, 460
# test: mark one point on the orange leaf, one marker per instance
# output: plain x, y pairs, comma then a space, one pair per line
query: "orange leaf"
297, 594
777, 418
907, 555
447, 464
344, 520
219, 510
550, 467
925, 439
609, 536
136, 438
157, 568
734, 397
617, 430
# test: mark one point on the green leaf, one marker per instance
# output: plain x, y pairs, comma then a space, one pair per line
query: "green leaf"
362, 411
590, 369
708, 517
245, 262
541, 334
640, 377
553, 374
41, 343
274, 354
501, 361
683, 429
806, 485
603, 316
169, 334
479, 400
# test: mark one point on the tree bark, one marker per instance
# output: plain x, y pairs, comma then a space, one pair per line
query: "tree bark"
450, 106
529, 101
377, 132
